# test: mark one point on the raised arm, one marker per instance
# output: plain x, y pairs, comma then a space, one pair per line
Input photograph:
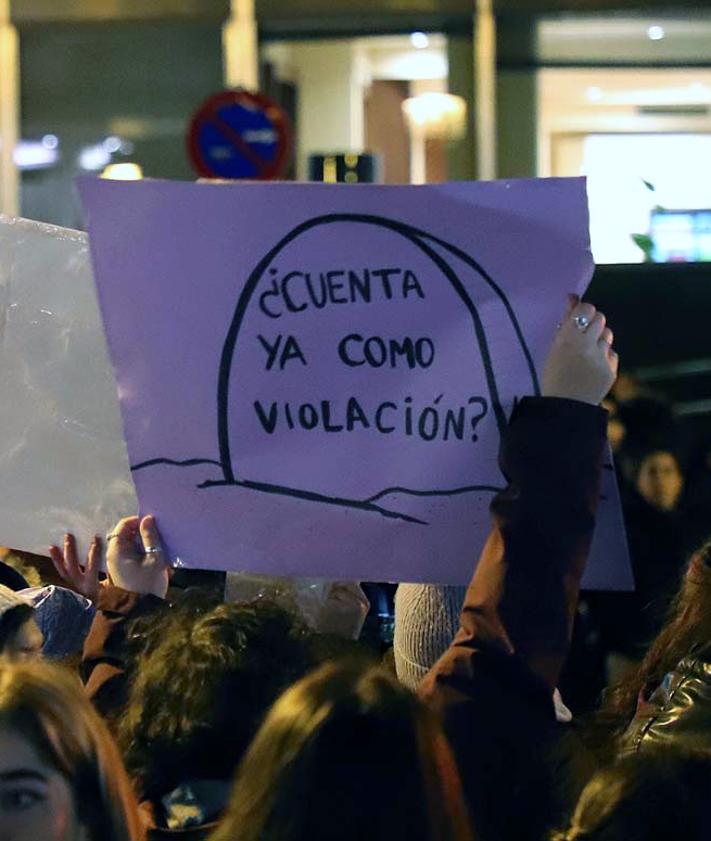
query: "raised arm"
495, 682
138, 579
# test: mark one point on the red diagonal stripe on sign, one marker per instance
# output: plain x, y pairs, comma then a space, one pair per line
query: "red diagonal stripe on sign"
239, 143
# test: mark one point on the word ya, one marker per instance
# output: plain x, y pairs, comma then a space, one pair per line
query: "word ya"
298, 291
430, 422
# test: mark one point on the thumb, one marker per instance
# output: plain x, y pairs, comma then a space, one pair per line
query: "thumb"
149, 533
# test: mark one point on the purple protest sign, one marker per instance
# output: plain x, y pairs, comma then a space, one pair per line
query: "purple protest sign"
314, 379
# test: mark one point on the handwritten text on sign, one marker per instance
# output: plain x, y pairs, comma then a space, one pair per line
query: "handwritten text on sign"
318, 378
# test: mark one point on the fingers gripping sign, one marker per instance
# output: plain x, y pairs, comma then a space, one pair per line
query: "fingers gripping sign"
135, 557
581, 364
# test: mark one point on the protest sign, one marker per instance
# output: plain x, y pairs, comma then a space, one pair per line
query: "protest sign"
314, 379
62, 455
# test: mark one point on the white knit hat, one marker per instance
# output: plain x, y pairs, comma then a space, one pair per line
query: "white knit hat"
426, 620
10, 599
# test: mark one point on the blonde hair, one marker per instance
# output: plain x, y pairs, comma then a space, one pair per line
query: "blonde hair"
46, 705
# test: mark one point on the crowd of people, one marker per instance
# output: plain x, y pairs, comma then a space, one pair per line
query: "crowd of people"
131, 709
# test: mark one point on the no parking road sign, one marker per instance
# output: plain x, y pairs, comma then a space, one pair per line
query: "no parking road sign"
236, 134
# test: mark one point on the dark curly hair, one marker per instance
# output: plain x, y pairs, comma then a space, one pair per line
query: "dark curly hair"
198, 696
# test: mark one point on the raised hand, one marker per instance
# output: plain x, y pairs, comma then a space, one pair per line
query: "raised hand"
84, 579
582, 364
137, 564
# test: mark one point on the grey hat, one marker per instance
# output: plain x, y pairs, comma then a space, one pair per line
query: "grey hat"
426, 620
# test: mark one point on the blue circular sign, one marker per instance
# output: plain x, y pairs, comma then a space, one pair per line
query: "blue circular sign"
239, 135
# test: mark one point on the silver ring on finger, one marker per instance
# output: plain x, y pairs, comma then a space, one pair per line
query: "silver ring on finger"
582, 322
152, 550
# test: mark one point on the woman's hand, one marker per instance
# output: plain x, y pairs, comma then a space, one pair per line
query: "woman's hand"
137, 565
83, 579
581, 363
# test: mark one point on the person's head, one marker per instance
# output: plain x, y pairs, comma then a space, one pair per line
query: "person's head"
616, 429
61, 776
348, 753
687, 627
200, 693
657, 795
659, 480
626, 388
20, 636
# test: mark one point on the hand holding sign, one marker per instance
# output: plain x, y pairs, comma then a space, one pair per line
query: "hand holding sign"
581, 364
135, 557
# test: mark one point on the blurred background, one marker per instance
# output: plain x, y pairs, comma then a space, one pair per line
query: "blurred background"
619, 91
403, 91
424, 91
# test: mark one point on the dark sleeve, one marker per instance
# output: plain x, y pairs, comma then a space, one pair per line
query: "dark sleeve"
104, 658
494, 683
521, 602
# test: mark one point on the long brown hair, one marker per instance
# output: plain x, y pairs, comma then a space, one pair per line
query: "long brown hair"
46, 705
348, 753
687, 628
663, 794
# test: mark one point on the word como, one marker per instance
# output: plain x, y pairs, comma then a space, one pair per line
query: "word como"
354, 351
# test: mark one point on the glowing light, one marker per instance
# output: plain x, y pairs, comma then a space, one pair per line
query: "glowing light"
123, 172
656, 33
419, 40
437, 115
113, 144
93, 158
594, 93
50, 141
32, 154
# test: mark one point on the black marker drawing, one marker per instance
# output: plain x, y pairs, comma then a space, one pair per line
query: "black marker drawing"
430, 246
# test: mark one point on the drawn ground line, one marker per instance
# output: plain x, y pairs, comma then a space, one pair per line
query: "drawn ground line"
188, 462
340, 502
312, 496
369, 504
450, 492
